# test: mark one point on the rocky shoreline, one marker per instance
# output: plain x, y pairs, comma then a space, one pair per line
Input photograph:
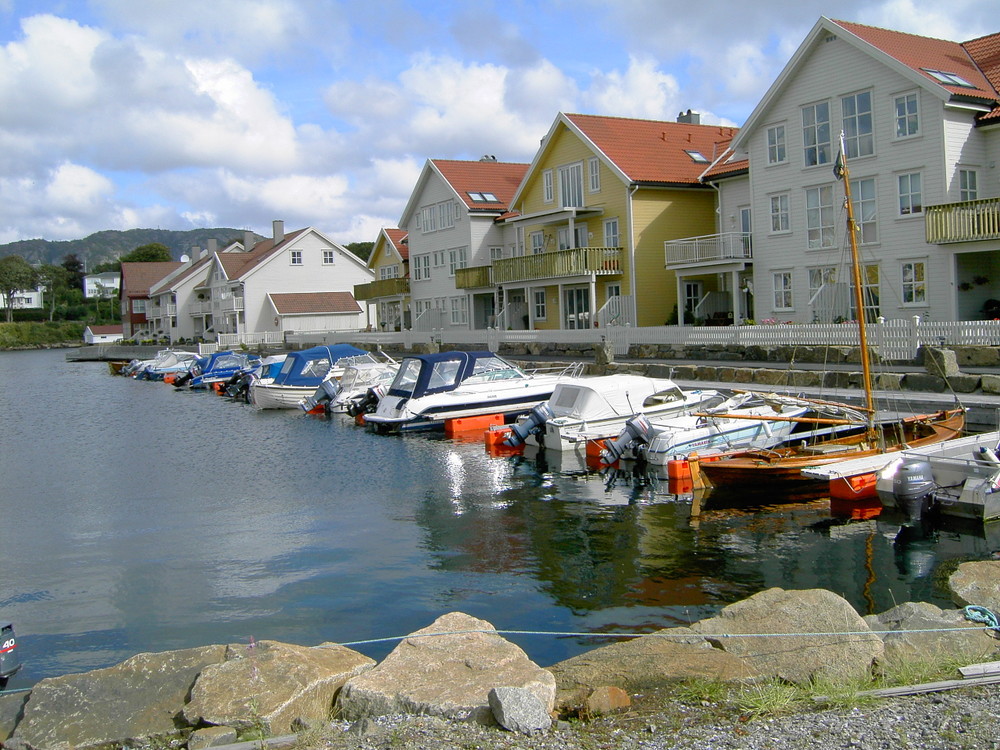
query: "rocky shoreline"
459, 683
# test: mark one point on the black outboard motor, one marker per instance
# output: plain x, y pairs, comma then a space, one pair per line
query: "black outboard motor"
183, 379
532, 424
325, 393
913, 488
637, 430
10, 660
366, 404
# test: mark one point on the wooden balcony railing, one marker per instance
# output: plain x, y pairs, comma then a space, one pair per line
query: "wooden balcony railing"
200, 307
709, 248
578, 261
382, 288
967, 221
473, 277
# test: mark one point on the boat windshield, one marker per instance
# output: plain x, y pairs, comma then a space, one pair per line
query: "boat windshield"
228, 361
494, 368
406, 378
316, 368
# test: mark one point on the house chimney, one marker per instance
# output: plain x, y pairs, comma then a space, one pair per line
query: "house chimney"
195, 252
248, 242
689, 118
279, 231
213, 246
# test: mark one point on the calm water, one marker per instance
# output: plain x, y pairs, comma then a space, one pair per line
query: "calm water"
134, 517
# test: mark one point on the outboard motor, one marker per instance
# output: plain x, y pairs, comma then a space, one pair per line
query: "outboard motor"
183, 379
913, 488
325, 393
532, 424
367, 403
10, 660
637, 430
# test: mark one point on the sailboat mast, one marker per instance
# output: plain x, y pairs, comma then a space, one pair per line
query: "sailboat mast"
866, 372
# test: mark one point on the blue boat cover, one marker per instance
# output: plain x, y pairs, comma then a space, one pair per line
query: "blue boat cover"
310, 366
421, 374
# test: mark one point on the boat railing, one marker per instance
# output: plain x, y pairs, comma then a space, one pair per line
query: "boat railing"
572, 370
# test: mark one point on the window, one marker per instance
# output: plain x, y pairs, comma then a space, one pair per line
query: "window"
692, 296
429, 219
909, 194
816, 134
611, 237
571, 185
968, 184
456, 259
696, 156
459, 311
776, 144
782, 290
547, 186
859, 135
907, 121
537, 243
538, 295
296, 257
820, 279
446, 215
438, 258
388, 272
594, 167
580, 237
865, 210
483, 197
139, 306
870, 291
948, 79
914, 274
421, 267
779, 213
496, 253
328, 257
819, 217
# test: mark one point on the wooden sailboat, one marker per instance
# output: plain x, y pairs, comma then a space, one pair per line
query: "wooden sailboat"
784, 465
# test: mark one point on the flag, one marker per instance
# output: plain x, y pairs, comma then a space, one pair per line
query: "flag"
838, 166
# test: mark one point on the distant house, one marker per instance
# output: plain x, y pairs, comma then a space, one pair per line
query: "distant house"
102, 334
137, 279
390, 292
102, 285
315, 311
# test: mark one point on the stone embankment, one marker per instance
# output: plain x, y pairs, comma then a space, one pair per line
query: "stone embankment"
461, 669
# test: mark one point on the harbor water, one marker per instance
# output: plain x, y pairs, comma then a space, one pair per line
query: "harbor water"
135, 517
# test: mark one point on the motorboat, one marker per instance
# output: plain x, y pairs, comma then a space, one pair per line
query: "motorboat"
137, 368
218, 368
430, 389
361, 373
300, 375
266, 369
958, 478
10, 661
170, 363
593, 408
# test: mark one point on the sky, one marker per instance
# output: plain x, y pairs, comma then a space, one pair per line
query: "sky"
180, 114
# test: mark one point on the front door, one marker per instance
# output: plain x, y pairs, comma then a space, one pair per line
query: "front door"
576, 308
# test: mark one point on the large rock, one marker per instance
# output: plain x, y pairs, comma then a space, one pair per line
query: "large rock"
449, 674
653, 660
518, 710
143, 697
920, 631
11, 706
760, 630
940, 362
977, 583
271, 684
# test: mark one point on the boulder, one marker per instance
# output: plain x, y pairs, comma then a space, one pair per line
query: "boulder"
446, 669
990, 383
604, 353
211, 737
11, 706
899, 629
766, 621
653, 660
940, 362
977, 583
607, 699
917, 381
518, 710
270, 685
141, 698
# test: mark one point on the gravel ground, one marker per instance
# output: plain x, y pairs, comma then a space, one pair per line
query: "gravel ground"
951, 720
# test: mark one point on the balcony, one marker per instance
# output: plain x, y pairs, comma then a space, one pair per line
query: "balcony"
577, 261
231, 303
474, 277
968, 221
201, 307
382, 288
708, 249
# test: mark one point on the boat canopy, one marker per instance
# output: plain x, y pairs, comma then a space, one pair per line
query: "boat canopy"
423, 374
610, 396
230, 360
311, 366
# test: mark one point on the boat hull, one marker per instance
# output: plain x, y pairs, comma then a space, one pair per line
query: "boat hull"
270, 396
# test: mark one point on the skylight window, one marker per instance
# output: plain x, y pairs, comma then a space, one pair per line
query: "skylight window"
949, 79
696, 156
483, 197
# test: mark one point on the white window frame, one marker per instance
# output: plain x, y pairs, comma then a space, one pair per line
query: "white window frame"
968, 184
820, 277
913, 282
459, 311
388, 272
612, 237
496, 252
537, 240
781, 284
820, 217
817, 135
421, 267
905, 182
859, 124
540, 303
906, 115
295, 257
457, 258
780, 216
329, 257
571, 185
438, 259
864, 197
777, 145
548, 194
594, 172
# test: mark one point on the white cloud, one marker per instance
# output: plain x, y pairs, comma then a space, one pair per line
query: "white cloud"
641, 91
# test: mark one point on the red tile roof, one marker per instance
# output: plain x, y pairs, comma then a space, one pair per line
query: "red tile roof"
305, 303
922, 53
654, 151
139, 278
193, 268
398, 239
499, 178
986, 52
103, 330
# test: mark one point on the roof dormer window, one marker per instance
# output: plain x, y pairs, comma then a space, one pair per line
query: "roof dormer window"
948, 79
483, 197
696, 156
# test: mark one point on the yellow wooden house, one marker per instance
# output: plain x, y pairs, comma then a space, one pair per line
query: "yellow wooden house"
389, 293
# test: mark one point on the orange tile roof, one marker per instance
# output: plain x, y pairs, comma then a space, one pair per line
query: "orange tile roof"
654, 151
398, 239
499, 178
922, 53
105, 329
198, 265
986, 52
139, 278
304, 303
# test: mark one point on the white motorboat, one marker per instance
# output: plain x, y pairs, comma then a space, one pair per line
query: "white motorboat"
430, 389
591, 408
337, 395
300, 375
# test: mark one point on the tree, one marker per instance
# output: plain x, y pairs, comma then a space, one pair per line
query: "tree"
16, 275
74, 266
54, 278
150, 253
362, 249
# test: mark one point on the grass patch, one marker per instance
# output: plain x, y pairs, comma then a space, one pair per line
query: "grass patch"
770, 698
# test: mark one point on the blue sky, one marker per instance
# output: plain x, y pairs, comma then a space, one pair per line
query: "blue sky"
184, 113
